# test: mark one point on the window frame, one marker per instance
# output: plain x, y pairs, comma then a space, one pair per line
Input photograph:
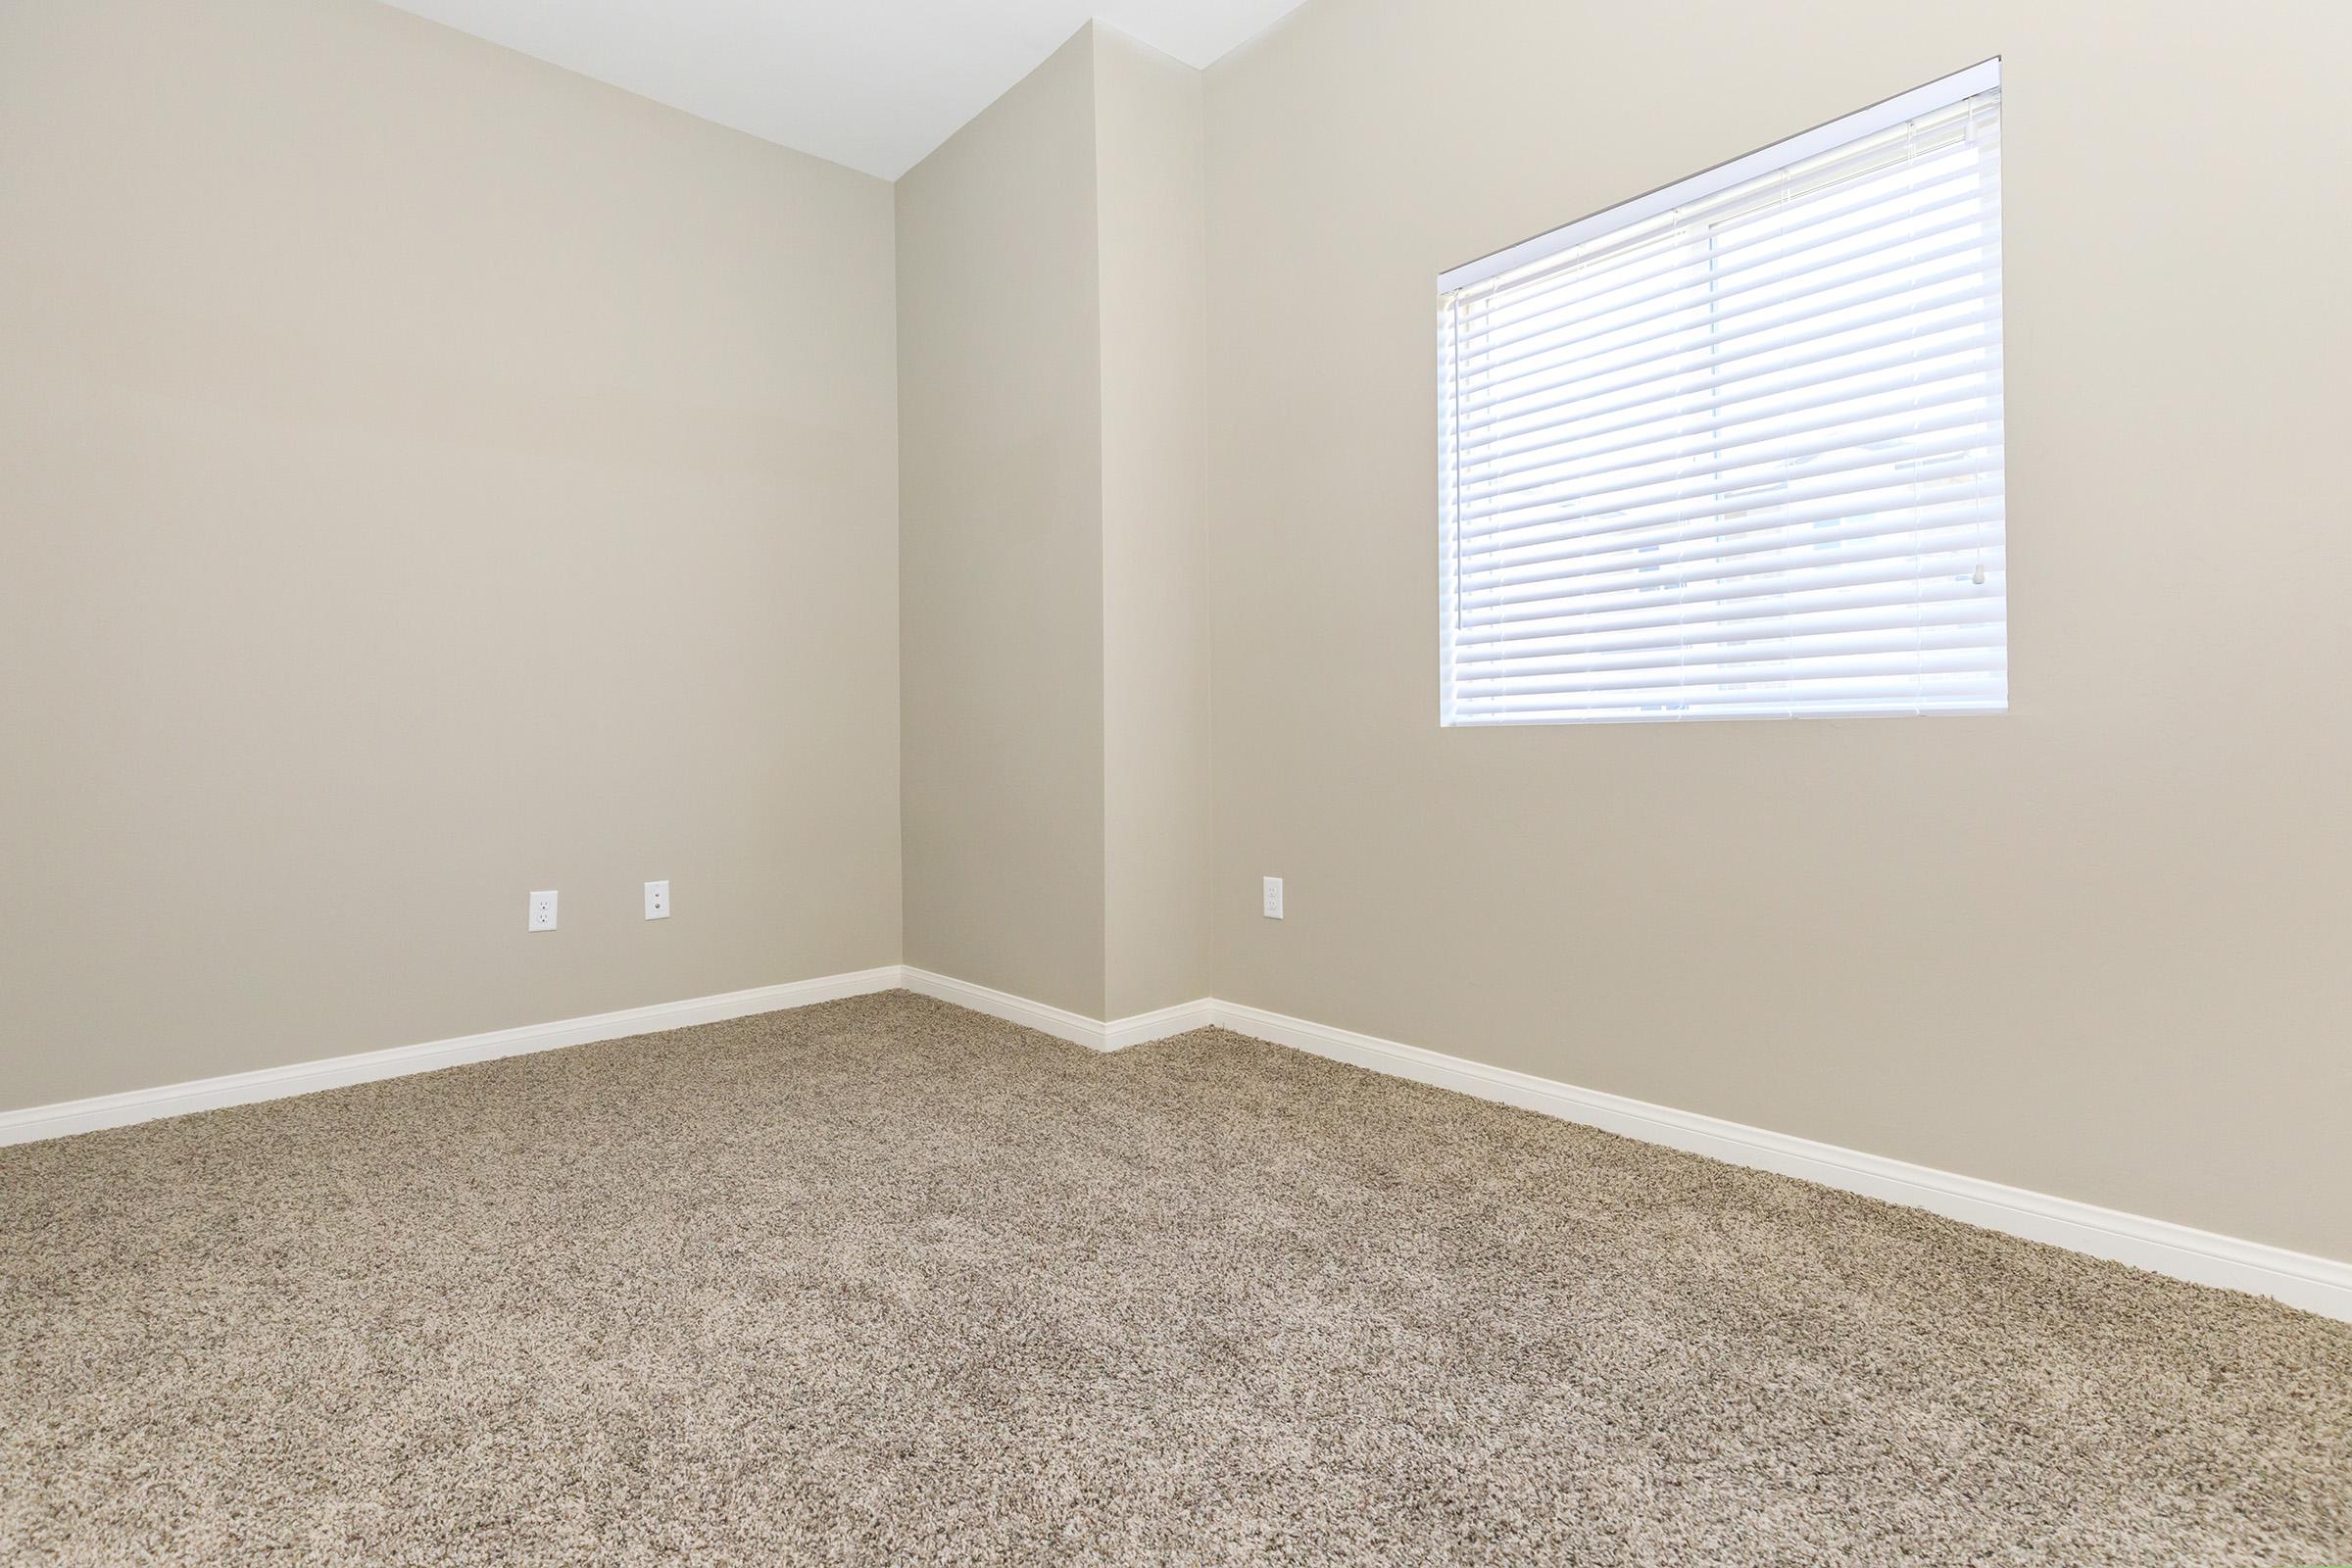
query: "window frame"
1943, 94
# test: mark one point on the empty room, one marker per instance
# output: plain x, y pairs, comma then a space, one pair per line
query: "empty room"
1212, 781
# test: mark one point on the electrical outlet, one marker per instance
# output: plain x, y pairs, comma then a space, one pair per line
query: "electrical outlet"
1273, 897
657, 901
543, 911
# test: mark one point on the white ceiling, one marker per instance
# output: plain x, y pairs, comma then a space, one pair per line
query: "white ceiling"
875, 85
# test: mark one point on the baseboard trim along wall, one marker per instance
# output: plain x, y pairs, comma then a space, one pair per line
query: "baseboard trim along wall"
2180, 1251
336, 1072
2298, 1279
1061, 1024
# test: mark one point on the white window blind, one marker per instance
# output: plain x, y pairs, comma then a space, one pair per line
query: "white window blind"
1734, 450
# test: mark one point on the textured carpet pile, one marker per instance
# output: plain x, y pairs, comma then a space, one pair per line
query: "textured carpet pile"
884, 1281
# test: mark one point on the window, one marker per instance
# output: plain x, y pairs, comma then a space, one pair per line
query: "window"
1732, 450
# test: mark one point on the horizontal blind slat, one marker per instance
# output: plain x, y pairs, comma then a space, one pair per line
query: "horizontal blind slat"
1954, 554
1977, 660
1951, 500
1688, 438
1804, 444
1745, 340
1891, 345
1930, 215
1836, 473
1859, 574
1906, 619
1716, 312
1532, 633
1608, 559
1894, 643
1976, 354
1955, 684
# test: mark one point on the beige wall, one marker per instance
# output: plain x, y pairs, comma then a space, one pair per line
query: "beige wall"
424, 476
2096, 947
1001, 477
1053, 341
1150, 192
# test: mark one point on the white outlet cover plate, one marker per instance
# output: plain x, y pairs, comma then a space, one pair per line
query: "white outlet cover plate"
1273, 897
543, 911
657, 901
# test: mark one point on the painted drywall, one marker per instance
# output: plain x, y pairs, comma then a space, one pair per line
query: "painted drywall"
1052, 349
1153, 239
426, 476
2095, 946
1001, 580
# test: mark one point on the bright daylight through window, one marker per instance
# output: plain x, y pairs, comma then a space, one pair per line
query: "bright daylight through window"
1734, 450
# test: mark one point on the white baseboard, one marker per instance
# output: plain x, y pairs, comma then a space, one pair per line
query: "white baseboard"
336, 1072
2315, 1284
1146, 1027
1060, 1022
2298, 1279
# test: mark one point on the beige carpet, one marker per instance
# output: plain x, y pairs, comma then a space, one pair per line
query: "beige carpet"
884, 1281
